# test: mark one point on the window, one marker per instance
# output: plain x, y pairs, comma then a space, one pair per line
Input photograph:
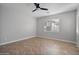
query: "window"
52, 25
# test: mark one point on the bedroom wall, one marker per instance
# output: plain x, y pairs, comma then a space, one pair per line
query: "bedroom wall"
77, 27
16, 23
67, 27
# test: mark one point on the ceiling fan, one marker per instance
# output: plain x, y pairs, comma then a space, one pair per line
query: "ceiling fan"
38, 7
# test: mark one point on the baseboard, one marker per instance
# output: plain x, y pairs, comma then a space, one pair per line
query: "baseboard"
58, 39
37, 36
17, 40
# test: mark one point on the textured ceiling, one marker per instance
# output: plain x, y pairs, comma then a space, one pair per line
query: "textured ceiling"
53, 8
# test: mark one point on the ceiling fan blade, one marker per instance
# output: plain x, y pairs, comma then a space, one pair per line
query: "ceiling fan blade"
43, 8
34, 10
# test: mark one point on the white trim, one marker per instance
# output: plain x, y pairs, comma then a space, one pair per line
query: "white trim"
37, 36
58, 39
16, 40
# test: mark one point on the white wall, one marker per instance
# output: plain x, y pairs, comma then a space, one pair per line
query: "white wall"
77, 27
67, 26
15, 22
